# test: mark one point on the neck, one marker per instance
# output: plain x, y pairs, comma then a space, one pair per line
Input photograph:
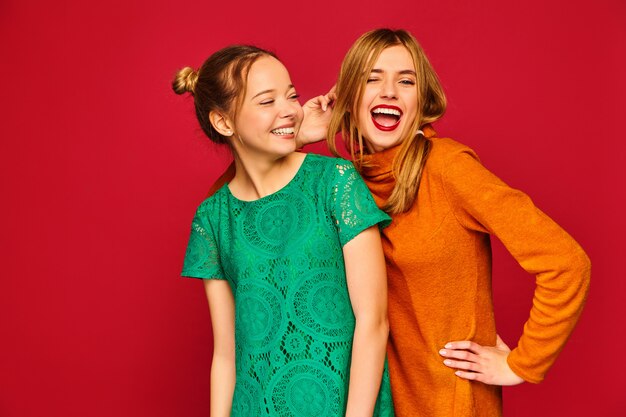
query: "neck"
257, 177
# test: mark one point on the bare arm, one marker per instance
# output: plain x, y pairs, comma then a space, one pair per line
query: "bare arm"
317, 113
367, 284
222, 309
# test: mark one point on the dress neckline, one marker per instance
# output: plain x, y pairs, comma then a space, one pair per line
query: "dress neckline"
293, 179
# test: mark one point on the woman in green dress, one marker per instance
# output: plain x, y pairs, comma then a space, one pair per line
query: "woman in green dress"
298, 312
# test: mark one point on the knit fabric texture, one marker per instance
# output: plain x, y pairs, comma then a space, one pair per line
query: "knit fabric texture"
438, 258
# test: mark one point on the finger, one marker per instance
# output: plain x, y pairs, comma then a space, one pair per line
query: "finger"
472, 376
332, 89
330, 100
324, 102
319, 101
465, 345
464, 355
462, 365
312, 103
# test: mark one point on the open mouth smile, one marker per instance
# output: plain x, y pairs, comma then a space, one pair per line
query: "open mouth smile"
385, 117
284, 131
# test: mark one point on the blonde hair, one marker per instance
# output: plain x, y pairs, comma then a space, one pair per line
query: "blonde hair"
185, 81
409, 162
219, 84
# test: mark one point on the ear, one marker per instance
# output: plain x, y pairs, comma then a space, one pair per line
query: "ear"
221, 123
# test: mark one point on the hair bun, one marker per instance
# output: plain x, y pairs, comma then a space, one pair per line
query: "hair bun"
185, 81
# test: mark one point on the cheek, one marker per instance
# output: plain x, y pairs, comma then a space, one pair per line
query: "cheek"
252, 123
364, 113
411, 104
261, 120
362, 118
368, 97
245, 117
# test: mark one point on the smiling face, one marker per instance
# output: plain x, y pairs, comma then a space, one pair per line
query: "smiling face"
389, 104
270, 113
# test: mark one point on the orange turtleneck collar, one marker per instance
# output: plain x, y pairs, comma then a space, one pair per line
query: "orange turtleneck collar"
380, 164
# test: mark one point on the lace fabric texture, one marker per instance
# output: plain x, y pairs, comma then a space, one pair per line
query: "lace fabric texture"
282, 256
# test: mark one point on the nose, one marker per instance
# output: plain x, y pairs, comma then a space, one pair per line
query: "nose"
289, 109
388, 89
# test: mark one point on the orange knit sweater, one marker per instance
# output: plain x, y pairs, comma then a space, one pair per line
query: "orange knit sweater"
439, 272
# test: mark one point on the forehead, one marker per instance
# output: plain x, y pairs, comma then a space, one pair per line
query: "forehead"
267, 73
395, 57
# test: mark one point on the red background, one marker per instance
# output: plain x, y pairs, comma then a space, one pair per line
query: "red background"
101, 168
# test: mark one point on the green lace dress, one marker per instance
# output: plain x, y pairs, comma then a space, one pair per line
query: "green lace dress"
282, 256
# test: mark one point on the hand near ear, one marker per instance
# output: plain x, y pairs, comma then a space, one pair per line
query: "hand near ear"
317, 113
486, 364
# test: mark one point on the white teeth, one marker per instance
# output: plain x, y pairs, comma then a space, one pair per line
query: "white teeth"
284, 131
386, 111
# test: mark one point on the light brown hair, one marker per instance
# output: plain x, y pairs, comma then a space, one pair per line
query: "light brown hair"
219, 84
409, 162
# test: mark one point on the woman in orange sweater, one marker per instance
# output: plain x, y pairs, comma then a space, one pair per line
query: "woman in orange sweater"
445, 357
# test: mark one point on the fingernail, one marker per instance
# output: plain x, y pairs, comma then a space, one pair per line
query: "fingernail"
457, 373
447, 362
442, 352
448, 346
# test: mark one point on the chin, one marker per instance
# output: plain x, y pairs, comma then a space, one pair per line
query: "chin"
378, 143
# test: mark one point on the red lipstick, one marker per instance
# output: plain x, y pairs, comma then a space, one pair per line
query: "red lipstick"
387, 127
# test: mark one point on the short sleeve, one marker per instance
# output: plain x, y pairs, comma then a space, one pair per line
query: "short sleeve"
202, 257
352, 205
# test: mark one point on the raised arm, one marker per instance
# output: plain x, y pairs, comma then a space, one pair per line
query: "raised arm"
317, 112
222, 309
367, 285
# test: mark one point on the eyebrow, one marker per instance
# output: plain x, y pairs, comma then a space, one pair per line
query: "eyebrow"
403, 72
270, 91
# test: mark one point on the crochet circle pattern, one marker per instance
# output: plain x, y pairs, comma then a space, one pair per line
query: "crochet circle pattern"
319, 306
305, 389
270, 225
282, 256
260, 318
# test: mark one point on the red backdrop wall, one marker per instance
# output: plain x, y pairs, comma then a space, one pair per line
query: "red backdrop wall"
101, 167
